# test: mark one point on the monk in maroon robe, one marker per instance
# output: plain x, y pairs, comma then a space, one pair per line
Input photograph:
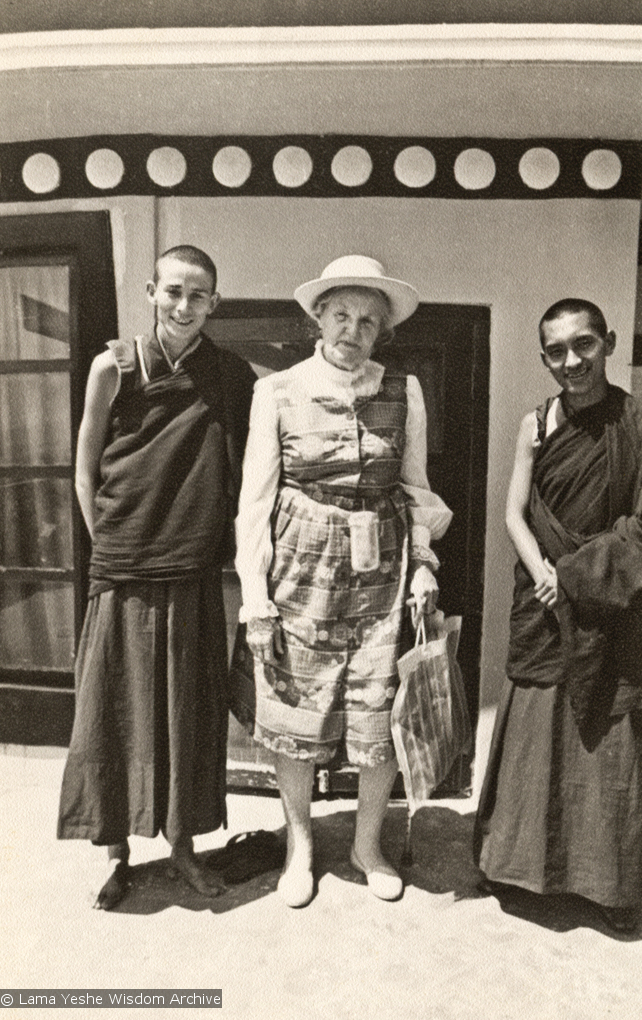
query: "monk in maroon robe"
561, 806
158, 471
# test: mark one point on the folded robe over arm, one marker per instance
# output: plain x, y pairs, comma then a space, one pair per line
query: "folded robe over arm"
601, 621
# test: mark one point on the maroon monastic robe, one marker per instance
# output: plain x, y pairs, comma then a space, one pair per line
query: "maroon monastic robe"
561, 805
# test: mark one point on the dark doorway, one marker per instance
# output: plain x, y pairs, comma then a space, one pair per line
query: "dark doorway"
57, 308
447, 348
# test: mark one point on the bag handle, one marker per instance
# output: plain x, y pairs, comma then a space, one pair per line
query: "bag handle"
420, 633
430, 629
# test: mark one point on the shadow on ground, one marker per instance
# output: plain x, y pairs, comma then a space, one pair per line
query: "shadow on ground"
441, 863
156, 886
441, 855
440, 845
562, 913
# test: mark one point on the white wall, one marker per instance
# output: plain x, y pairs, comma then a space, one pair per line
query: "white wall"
444, 98
515, 256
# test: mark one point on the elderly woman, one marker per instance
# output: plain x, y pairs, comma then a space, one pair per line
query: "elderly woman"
334, 528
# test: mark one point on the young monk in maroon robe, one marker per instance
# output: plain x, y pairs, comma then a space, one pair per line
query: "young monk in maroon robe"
157, 471
561, 806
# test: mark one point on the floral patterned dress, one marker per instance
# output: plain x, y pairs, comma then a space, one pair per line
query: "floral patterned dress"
341, 446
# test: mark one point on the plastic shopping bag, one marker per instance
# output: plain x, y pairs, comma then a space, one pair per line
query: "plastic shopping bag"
430, 721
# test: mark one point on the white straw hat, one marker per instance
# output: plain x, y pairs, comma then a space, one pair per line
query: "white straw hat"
360, 271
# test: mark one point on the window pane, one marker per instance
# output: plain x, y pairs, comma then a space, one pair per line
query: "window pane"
35, 426
34, 312
35, 522
37, 625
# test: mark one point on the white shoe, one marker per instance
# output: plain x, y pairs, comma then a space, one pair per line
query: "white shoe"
296, 886
386, 885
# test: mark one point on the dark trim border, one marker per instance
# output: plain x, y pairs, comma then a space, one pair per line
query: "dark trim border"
71, 155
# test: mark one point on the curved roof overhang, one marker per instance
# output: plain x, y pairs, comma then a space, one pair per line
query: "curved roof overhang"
439, 80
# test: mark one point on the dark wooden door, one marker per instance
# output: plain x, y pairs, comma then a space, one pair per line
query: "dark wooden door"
57, 307
447, 348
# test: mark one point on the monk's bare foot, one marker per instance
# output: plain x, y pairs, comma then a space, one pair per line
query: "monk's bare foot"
199, 877
116, 886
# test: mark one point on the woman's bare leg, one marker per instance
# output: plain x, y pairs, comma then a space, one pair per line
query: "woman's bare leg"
375, 784
295, 779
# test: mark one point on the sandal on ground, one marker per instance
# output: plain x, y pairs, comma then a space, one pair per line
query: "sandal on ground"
253, 853
247, 855
382, 884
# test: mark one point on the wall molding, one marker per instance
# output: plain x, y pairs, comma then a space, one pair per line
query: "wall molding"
144, 47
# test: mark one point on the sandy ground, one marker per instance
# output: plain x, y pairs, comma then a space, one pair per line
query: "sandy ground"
443, 952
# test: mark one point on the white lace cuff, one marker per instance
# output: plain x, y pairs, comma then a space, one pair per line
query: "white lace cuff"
420, 551
421, 554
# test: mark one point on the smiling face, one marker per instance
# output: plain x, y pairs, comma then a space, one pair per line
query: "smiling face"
575, 355
351, 321
183, 297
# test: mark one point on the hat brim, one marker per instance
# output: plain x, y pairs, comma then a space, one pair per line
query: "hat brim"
402, 296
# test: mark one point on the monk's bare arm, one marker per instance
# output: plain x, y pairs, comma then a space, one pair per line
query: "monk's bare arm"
102, 386
526, 546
